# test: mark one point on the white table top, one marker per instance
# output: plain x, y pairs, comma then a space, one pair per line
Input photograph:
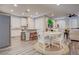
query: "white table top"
52, 33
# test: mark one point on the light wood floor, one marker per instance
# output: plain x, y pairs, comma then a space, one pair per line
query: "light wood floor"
19, 47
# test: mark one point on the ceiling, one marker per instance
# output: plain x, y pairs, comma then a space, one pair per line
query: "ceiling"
40, 9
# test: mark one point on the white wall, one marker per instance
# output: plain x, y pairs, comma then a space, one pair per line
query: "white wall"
40, 25
62, 23
16, 23
31, 24
15, 26
78, 22
68, 22
24, 21
73, 23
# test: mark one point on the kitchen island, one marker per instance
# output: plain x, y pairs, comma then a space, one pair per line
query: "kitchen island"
31, 34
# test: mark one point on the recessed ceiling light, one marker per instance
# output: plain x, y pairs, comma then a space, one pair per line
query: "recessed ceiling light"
28, 10
11, 10
15, 5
